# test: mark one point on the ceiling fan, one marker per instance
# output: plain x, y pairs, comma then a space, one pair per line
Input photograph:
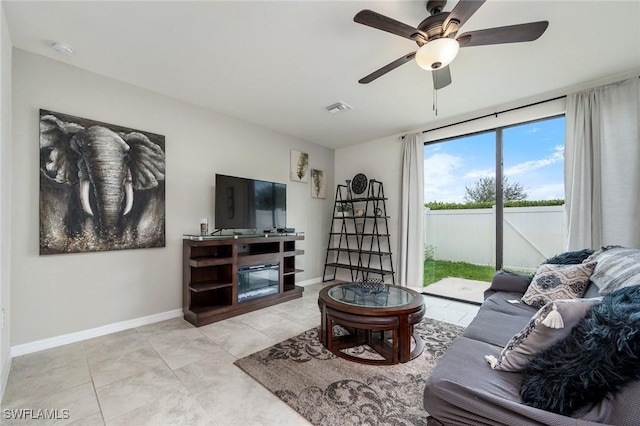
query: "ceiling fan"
436, 37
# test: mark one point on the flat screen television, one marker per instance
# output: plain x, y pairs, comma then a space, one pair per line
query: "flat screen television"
242, 203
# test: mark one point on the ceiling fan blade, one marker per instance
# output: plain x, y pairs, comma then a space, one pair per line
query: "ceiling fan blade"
509, 34
441, 77
384, 23
389, 67
459, 15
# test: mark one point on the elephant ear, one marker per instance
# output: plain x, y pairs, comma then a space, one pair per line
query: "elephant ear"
147, 161
58, 161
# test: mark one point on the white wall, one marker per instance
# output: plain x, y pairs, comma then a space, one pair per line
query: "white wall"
61, 294
380, 159
5, 194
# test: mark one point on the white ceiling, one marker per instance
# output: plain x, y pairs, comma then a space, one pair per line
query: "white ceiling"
279, 63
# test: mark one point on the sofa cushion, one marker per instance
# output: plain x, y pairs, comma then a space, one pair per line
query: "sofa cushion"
508, 281
598, 358
591, 291
461, 390
549, 325
617, 267
552, 282
498, 319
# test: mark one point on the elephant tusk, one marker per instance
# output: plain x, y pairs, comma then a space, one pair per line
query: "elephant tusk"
84, 196
128, 196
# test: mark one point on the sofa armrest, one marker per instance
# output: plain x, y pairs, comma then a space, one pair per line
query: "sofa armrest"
508, 281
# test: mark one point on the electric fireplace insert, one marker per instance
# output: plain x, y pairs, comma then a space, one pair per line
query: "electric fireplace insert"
258, 281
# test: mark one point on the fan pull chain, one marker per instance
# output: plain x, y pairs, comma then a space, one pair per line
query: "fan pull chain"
435, 101
435, 93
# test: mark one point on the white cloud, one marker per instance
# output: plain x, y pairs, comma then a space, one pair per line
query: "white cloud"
440, 167
480, 173
553, 191
518, 169
441, 176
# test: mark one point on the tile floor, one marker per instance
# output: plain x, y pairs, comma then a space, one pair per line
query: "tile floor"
171, 373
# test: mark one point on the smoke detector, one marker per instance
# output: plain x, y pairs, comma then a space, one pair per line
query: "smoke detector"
62, 48
338, 107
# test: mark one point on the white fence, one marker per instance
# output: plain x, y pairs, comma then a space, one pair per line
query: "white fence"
531, 235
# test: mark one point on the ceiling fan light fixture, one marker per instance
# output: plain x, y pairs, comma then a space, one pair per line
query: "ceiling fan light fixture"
437, 53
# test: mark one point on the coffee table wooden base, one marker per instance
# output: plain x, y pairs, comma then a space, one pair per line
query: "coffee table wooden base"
388, 332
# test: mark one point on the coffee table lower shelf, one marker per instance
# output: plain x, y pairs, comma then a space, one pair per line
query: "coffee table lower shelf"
384, 343
388, 331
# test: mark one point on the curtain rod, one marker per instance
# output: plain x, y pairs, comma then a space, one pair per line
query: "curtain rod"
493, 114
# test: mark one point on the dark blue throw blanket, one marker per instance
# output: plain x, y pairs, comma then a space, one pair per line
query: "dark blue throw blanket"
569, 257
600, 356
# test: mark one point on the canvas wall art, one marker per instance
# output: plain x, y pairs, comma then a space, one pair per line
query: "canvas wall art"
299, 167
102, 186
318, 184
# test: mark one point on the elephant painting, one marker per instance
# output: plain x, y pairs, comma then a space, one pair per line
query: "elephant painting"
101, 186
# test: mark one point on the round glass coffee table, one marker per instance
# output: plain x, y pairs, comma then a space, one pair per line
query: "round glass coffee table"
381, 318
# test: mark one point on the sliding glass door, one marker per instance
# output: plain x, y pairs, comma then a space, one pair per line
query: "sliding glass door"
456, 237
533, 165
494, 199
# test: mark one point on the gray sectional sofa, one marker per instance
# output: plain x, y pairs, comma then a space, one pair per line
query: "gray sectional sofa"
464, 390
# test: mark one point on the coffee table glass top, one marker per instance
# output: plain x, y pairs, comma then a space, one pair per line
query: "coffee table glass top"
354, 294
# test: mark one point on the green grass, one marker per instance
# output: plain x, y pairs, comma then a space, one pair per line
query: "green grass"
435, 270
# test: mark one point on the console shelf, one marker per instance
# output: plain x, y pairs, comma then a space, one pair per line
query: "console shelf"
210, 274
208, 285
208, 261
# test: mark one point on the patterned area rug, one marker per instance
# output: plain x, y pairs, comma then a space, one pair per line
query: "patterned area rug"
331, 391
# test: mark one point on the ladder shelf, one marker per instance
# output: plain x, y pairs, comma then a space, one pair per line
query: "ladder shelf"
360, 242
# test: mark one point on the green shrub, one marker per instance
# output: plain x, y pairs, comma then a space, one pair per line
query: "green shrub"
438, 205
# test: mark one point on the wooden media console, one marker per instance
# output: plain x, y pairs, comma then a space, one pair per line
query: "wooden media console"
212, 288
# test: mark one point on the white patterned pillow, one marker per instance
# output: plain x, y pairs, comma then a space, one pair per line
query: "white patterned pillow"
552, 323
553, 282
617, 267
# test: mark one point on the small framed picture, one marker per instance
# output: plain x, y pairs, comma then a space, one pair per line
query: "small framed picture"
299, 167
318, 184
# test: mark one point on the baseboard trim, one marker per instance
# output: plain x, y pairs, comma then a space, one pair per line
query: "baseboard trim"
65, 339
4, 377
309, 282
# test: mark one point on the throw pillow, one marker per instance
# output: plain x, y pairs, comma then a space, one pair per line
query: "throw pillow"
510, 281
617, 267
597, 359
570, 257
549, 325
552, 282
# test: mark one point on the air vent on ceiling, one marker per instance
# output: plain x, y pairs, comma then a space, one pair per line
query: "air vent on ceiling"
62, 48
337, 107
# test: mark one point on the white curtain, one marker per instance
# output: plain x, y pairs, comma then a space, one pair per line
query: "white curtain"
411, 249
602, 166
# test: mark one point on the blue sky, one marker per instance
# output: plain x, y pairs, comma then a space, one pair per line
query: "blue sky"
533, 156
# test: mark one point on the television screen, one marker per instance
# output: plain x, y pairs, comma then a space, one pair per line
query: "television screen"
249, 204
